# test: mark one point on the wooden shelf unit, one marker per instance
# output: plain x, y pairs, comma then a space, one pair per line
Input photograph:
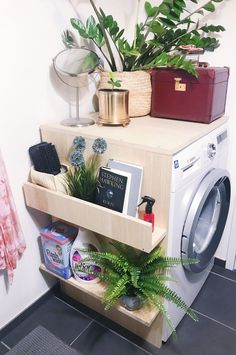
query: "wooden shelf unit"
129, 230
146, 315
149, 142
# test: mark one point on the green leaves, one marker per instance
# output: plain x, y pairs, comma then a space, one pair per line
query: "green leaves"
167, 26
209, 6
91, 27
164, 9
151, 11
91, 30
167, 22
212, 28
129, 272
111, 26
157, 28
172, 61
113, 81
79, 26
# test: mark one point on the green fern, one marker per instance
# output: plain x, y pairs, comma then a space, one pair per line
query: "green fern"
119, 289
159, 305
129, 272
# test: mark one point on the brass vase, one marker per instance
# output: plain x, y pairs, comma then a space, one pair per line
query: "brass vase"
113, 107
139, 85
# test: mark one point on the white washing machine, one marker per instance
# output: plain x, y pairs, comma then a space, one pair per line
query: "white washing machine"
199, 205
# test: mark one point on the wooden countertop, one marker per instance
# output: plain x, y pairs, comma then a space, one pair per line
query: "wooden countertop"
163, 136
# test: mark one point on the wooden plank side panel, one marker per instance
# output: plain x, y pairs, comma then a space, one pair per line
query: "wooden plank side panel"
114, 225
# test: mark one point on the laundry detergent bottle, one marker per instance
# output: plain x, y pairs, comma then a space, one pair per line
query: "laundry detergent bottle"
84, 241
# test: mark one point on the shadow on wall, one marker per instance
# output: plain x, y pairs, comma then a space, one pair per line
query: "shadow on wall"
3, 274
66, 89
66, 92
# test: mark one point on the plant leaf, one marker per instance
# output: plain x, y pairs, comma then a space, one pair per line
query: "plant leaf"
159, 305
79, 26
112, 294
209, 7
98, 37
212, 28
120, 34
164, 9
157, 28
91, 27
108, 21
167, 22
150, 11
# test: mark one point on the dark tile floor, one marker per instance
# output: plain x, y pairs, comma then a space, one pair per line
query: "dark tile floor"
92, 334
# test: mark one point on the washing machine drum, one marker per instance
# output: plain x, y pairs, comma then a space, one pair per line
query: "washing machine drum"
206, 219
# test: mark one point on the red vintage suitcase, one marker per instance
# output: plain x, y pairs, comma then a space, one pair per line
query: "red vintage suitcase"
179, 95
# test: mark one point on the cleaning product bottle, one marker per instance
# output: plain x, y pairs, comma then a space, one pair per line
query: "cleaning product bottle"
148, 215
85, 240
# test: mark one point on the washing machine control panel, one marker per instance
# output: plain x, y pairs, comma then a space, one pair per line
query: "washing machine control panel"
211, 150
200, 157
216, 146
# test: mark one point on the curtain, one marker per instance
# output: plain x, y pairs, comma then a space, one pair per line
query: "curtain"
12, 243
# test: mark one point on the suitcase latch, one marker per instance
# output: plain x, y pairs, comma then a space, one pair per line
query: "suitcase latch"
179, 86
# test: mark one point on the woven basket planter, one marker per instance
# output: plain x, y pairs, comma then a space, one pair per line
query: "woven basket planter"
50, 181
139, 85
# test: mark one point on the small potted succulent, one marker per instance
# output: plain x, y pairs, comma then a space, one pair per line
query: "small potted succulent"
81, 181
134, 278
157, 42
113, 103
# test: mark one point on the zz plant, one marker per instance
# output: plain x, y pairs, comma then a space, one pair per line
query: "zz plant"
127, 272
157, 40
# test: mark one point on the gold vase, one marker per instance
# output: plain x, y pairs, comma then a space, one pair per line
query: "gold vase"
139, 85
113, 107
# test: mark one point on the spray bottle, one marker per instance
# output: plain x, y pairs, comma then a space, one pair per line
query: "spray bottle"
148, 215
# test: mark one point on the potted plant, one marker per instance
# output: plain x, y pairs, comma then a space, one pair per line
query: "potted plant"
81, 180
133, 278
113, 103
158, 42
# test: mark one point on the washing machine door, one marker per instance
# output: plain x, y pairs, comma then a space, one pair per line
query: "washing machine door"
206, 219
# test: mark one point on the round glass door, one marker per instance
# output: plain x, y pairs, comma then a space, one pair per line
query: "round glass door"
206, 219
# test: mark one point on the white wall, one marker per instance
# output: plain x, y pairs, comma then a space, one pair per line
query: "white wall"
30, 95
29, 39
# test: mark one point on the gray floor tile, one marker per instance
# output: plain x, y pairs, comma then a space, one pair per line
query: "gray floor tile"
217, 300
207, 337
224, 272
204, 337
3, 349
106, 322
98, 340
56, 316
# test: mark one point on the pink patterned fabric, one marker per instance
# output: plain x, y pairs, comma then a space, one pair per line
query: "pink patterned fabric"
12, 243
